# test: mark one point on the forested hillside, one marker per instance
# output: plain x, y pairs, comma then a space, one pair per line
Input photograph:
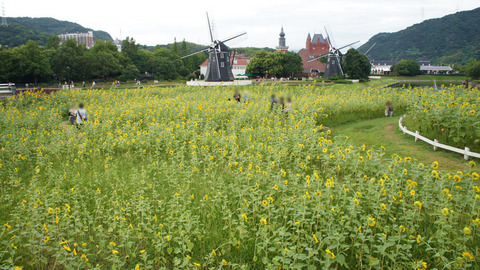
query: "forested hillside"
22, 29
452, 39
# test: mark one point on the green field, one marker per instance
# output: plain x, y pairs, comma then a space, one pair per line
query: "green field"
385, 132
182, 178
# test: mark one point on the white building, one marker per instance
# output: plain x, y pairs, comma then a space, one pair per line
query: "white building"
118, 43
436, 69
239, 66
385, 67
382, 67
81, 38
427, 68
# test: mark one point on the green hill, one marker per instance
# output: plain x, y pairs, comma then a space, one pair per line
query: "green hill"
454, 38
22, 29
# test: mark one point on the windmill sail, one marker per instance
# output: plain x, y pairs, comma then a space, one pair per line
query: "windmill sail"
334, 61
219, 67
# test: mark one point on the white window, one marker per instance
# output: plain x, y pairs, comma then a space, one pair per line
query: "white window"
222, 55
222, 64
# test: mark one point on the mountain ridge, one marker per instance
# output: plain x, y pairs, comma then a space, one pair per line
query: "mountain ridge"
22, 29
453, 38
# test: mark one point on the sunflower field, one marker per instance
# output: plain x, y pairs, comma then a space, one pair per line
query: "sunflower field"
451, 115
183, 178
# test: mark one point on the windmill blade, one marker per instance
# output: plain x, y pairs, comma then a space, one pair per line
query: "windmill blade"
370, 48
197, 52
234, 37
232, 58
218, 64
348, 45
328, 37
210, 28
318, 57
339, 64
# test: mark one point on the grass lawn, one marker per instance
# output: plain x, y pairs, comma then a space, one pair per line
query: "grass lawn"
384, 81
384, 132
428, 77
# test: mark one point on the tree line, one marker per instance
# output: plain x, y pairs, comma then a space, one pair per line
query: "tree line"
275, 63
69, 61
412, 68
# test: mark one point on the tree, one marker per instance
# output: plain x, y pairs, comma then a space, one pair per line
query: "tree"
275, 63
184, 48
103, 65
34, 63
459, 68
293, 64
164, 64
9, 69
406, 68
356, 65
473, 69
53, 42
130, 52
103, 60
130, 72
257, 64
175, 49
70, 62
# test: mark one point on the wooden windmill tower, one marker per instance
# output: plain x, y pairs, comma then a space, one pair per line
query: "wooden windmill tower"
334, 60
219, 68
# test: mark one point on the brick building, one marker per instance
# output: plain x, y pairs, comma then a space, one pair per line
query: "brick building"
314, 47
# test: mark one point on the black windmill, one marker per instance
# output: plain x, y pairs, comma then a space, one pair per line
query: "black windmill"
219, 68
334, 60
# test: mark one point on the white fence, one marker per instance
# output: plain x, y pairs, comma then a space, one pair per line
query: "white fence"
7, 88
465, 152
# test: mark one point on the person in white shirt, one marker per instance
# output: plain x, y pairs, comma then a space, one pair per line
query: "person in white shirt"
81, 115
288, 105
389, 109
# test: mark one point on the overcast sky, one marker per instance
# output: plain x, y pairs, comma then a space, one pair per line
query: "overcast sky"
160, 21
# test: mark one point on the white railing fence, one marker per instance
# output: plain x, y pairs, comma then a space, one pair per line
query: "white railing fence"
465, 152
7, 88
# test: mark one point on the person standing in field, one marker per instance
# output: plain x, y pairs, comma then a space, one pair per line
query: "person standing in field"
273, 102
389, 109
282, 103
81, 114
245, 97
93, 84
237, 96
72, 114
288, 105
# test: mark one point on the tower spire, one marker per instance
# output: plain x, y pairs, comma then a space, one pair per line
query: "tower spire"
282, 42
